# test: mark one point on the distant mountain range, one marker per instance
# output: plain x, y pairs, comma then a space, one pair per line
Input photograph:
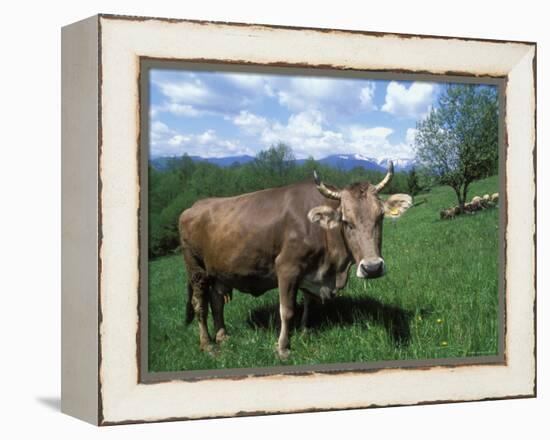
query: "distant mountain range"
161, 163
350, 161
342, 161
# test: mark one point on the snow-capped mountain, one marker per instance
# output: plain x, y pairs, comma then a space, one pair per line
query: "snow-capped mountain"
350, 161
400, 164
342, 161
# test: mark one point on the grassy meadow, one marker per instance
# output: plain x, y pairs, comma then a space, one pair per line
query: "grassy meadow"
438, 299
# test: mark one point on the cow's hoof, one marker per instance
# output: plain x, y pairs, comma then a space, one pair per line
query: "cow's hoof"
213, 350
284, 353
221, 336
208, 348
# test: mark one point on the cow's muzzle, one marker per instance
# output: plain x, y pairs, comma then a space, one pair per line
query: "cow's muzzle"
371, 269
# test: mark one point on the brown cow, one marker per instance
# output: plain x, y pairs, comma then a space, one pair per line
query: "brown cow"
301, 236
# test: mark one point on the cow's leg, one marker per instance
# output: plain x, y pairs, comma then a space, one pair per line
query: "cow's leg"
218, 296
288, 286
305, 314
200, 300
199, 293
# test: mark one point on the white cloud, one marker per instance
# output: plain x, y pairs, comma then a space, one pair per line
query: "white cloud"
410, 137
315, 88
308, 134
333, 96
305, 133
365, 136
185, 110
327, 115
158, 132
165, 141
367, 96
247, 81
177, 140
375, 142
250, 122
370, 141
307, 123
158, 127
250, 82
187, 92
186, 95
412, 102
302, 93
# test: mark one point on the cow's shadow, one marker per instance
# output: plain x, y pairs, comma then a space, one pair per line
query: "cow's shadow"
342, 311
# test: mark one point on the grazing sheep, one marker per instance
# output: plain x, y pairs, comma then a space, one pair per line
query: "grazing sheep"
475, 204
447, 214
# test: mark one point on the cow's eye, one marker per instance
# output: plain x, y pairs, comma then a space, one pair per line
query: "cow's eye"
348, 224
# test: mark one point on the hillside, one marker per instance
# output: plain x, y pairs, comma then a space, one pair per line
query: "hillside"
439, 299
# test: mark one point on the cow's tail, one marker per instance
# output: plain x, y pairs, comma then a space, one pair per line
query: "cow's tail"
189, 310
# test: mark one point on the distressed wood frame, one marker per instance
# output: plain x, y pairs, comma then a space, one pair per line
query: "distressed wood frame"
101, 58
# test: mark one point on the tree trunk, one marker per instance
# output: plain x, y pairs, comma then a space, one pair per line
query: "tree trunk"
460, 199
465, 192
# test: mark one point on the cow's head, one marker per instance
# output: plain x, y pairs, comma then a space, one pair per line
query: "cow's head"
360, 214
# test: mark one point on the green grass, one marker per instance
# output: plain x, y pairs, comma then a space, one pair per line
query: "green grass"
438, 299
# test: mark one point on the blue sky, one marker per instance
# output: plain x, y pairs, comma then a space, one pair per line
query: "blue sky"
218, 114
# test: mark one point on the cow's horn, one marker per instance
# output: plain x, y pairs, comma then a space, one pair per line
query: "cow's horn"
386, 179
327, 192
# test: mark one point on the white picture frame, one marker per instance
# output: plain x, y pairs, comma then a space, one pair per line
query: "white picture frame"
101, 380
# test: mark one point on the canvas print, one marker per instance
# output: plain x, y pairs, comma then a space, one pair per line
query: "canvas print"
305, 219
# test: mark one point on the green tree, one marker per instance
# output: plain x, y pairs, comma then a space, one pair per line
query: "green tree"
275, 163
457, 142
413, 186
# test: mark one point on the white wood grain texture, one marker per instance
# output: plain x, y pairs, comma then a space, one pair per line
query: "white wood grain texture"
123, 42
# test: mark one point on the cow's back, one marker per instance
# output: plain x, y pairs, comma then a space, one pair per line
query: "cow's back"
238, 238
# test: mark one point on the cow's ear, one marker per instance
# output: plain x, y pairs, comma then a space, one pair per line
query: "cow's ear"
326, 216
397, 204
